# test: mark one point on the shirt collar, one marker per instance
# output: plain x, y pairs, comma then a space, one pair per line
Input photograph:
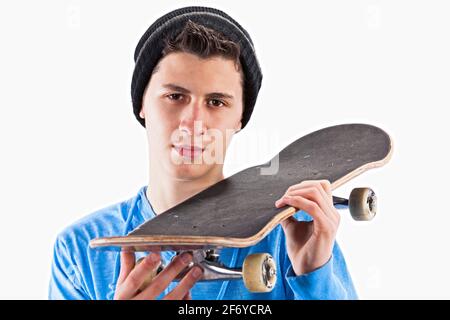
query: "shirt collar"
146, 209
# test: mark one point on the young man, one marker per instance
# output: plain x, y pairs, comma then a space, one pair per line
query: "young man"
196, 80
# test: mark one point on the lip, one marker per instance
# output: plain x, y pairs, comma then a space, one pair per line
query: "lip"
188, 151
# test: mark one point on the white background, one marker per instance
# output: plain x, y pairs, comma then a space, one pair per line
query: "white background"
70, 143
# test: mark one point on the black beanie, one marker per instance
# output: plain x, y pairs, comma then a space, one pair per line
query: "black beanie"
150, 47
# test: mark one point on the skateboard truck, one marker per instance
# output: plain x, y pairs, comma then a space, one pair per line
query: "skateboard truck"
258, 271
213, 269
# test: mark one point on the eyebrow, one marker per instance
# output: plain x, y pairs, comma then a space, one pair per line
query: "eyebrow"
175, 87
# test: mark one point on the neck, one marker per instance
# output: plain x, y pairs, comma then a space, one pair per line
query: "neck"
165, 192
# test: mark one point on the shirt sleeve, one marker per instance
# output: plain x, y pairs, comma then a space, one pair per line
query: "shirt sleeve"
65, 277
331, 281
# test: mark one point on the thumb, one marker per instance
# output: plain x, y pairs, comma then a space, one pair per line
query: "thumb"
288, 222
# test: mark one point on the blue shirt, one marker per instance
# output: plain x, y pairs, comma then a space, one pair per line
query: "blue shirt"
80, 272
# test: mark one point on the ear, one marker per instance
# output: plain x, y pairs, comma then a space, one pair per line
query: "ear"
142, 113
239, 127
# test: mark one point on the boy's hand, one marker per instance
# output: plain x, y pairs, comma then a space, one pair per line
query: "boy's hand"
132, 277
310, 244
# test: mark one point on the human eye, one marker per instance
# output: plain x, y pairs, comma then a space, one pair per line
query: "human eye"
175, 96
216, 103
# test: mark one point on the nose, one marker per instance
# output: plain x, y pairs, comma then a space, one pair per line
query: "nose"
193, 118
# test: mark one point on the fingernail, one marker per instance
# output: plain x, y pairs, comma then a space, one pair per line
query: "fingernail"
196, 272
186, 258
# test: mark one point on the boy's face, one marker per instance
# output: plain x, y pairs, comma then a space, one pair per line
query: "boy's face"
192, 102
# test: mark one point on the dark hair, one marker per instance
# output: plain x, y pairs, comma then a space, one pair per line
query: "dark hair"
204, 43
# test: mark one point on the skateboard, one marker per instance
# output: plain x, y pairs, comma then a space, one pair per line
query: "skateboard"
239, 211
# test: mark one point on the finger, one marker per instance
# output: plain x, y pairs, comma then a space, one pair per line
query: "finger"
293, 190
188, 296
322, 188
312, 193
321, 222
315, 194
127, 261
325, 184
165, 277
185, 284
325, 188
138, 275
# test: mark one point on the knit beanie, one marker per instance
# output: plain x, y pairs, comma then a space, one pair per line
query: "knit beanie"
149, 51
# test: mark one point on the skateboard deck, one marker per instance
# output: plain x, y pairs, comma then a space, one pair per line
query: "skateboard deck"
239, 211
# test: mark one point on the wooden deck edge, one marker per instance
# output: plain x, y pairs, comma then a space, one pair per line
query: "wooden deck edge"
136, 241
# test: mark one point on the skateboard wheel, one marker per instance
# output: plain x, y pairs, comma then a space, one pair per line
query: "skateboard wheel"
259, 272
150, 276
362, 204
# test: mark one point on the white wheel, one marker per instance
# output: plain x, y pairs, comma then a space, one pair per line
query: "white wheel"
150, 276
259, 272
362, 204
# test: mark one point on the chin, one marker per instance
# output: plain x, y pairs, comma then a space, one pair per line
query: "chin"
189, 171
